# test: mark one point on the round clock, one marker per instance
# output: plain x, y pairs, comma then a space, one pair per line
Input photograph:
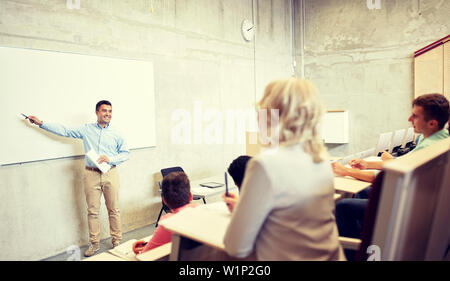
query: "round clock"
247, 30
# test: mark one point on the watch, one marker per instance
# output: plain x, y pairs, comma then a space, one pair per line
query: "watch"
247, 30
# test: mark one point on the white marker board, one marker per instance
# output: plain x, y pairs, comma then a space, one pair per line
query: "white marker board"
64, 88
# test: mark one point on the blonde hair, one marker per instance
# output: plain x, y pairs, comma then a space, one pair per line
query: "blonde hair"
300, 110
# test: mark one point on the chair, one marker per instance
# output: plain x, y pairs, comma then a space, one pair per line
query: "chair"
164, 207
409, 137
397, 140
413, 213
384, 143
365, 153
360, 245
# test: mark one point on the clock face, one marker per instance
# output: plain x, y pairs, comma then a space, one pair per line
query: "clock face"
248, 30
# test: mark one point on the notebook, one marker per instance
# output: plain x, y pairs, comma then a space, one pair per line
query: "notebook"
212, 184
93, 156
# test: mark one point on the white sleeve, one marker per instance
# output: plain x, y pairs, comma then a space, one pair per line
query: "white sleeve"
254, 205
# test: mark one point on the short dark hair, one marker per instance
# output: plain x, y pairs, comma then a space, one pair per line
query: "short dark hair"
435, 107
97, 106
176, 190
237, 169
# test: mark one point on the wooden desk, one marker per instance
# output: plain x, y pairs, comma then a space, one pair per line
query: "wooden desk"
156, 254
334, 158
373, 158
349, 185
205, 224
203, 192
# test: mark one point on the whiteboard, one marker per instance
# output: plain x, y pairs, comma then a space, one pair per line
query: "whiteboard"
64, 88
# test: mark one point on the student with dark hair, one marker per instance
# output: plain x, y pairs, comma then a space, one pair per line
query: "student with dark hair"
112, 149
237, 172
176, 194
430, 113
237, 169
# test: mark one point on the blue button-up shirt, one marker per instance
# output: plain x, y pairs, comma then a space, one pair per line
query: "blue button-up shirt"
105, 141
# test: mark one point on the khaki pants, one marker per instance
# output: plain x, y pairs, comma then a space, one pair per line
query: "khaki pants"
96, 183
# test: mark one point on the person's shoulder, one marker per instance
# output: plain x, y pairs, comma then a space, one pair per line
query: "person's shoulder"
444, 134
166, 216
280, 154
266, 155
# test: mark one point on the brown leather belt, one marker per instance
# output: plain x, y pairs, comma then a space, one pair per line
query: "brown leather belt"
96, 169
93, 169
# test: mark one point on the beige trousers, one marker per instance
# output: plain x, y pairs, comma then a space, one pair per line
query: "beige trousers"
96, 183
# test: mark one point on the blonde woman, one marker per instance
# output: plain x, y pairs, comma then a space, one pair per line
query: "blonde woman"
285, 208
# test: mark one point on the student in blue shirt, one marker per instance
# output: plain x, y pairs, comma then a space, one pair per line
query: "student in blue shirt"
112, 149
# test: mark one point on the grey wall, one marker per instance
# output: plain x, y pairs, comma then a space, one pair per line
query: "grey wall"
362, 60
198, 55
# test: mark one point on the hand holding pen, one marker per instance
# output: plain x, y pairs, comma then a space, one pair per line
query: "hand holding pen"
230, 200
229, 197
33, 119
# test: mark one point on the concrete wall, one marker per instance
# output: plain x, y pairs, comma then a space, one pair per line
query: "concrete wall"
362, 60
198, 54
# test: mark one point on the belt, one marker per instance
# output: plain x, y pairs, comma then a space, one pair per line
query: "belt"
93, 169
96, 169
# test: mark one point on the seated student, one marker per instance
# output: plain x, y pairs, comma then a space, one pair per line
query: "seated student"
285, 209
429, 115
176, 194
237, 169
237, 172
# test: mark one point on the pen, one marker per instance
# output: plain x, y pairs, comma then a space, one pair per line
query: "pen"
26, 117
226, 185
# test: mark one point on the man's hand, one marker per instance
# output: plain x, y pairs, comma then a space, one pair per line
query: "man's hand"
103, 158
339, 169
359, 164
231, 200
386, 156
34, 120
138, 246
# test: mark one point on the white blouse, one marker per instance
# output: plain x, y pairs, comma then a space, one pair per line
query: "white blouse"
285, 210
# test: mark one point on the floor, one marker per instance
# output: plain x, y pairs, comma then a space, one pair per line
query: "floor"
105, 244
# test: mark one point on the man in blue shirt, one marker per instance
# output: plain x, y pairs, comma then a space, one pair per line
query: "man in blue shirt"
112, 149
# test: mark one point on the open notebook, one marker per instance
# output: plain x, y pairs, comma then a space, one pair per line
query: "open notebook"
125, 250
